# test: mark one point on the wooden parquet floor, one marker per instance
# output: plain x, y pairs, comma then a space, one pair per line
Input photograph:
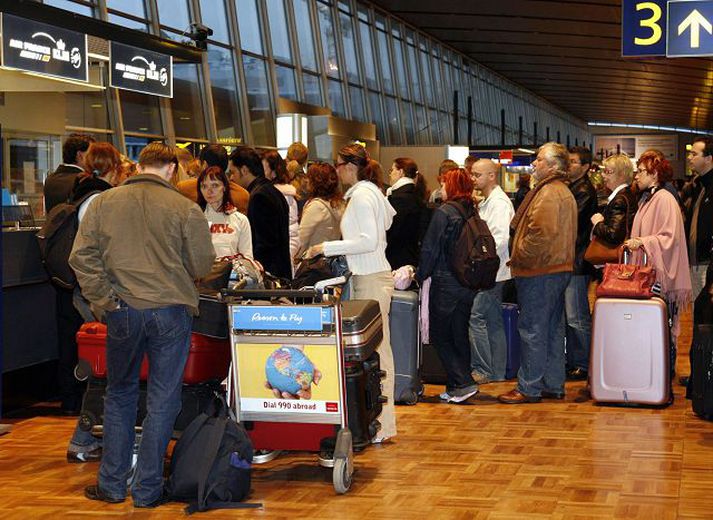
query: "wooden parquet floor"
479, 460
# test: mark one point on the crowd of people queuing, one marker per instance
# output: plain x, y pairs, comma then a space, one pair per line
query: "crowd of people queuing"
141, 246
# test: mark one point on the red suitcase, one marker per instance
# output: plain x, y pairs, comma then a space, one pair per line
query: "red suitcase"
208, 358
630, 352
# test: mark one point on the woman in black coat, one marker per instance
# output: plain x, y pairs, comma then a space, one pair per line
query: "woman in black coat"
613, 224
407, 195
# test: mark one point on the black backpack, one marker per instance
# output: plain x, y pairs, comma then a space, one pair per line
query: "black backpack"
211, 463
473, 257
56, 239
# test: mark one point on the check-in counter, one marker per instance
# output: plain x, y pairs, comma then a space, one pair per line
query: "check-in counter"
29, 332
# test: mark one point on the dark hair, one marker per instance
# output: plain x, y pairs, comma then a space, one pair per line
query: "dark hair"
248, 157
73, 144
656, 163
585, 154
708, 145
368, 170
277, 165
446, 166
215, 172
158, 154
524, 181
101, 158
469, 161
324, 182
215, 155
459, 184
410, 169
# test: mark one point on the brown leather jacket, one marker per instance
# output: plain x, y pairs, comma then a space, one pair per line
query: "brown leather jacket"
545, 236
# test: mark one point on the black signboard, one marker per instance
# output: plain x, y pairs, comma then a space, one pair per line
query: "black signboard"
43, 48
141, 70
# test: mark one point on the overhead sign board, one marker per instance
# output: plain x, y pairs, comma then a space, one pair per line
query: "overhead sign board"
643, 28
140, 70
690, 29
42, 48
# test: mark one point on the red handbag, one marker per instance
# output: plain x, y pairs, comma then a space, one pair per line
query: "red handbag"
624, 280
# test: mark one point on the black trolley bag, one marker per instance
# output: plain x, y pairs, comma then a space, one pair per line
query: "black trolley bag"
404, 323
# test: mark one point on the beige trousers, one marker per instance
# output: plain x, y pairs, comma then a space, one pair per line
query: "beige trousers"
380, 287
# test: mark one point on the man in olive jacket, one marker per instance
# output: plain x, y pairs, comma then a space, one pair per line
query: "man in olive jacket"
542, 260
137, 252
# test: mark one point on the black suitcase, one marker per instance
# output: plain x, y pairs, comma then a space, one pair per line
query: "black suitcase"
700, 384
362, 328
432, 370
212, 320
364, 399
194, 399
406, 346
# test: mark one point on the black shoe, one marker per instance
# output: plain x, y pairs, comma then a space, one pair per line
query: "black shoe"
95, 493
87, 456
577, 374
158, 502
552, 395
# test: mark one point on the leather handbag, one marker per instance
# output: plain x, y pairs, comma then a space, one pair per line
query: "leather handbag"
624, 280
600, 252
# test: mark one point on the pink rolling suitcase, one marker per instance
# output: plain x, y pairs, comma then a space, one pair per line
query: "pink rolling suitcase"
630, 352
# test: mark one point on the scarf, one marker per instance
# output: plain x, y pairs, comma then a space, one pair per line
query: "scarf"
522, 210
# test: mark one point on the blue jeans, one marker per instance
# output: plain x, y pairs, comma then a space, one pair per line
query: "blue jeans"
541, 327
83, 442
488, 346
163, 334
578, 322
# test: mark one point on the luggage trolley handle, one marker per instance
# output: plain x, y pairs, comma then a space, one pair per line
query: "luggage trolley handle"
322, 288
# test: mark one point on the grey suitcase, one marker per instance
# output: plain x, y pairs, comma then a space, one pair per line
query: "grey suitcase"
404, 320
362, 329
629, 362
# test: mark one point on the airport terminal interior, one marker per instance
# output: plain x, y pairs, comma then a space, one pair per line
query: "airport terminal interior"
460, 83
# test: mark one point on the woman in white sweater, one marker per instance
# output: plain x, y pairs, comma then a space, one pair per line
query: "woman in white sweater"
230, 229
276, 172
364, 224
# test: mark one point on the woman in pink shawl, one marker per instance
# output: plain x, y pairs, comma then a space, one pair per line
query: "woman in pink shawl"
658, 230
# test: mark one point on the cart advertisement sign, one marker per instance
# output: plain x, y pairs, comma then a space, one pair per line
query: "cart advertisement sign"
278, 379
42, 48
141, 70
281, 318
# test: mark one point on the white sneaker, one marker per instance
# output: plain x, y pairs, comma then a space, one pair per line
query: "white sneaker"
464, 397
445, 396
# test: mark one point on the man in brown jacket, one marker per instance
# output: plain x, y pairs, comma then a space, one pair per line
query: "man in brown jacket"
138, 249
542, 260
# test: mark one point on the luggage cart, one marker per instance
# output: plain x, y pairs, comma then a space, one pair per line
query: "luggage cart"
288, 372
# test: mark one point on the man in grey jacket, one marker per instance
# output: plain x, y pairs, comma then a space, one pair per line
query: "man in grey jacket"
137, 252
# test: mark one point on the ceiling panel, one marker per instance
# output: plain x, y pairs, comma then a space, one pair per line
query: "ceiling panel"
569, 53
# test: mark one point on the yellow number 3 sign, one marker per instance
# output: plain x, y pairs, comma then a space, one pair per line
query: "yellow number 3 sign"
643, 28
650, 23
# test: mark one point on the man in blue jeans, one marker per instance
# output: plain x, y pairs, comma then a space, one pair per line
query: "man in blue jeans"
136, 254
487, 333
542, 259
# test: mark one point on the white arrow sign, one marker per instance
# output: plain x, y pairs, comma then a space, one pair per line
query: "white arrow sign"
695, 21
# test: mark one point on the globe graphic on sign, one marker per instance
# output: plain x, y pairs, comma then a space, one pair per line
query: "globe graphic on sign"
288, 370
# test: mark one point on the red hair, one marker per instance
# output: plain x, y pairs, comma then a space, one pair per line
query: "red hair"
458, 184
656, 163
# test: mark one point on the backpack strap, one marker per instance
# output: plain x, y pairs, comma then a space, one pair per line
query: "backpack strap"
211, 453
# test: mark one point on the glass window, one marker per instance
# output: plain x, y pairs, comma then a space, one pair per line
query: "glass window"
261, 117
286, 86
225, 92
400, 68
435, 130
426, 75
344, 6
336, 98
413, 66
438, 87
313, 89
422, 131
349, 44
356, 98
86, 109
304, 34
214, 16
70, 6
392, 119
173, 13
446, 127
368, 53
129, 23
249, 26
186, 103
329, 47
140, 112
376, 115
385, 62
407, 113
279, 33
135, 7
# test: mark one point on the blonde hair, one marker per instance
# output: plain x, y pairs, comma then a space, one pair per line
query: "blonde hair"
620, 164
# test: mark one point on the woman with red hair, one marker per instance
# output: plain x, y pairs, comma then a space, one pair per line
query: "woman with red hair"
449, 302
658, 230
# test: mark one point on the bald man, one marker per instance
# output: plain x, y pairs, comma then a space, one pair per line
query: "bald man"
487, 334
